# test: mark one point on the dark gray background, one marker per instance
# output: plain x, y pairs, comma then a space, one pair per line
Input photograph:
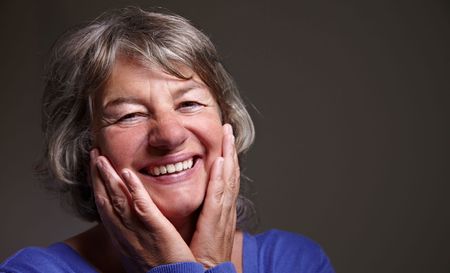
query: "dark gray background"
350, 101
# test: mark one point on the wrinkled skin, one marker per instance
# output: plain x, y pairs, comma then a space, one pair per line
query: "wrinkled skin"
190, 216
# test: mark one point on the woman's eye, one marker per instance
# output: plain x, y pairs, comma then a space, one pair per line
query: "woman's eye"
190, 105
131, 117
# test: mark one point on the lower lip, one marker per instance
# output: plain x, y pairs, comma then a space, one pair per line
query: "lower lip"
175, 177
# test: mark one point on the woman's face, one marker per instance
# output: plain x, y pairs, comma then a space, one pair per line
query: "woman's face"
165, 129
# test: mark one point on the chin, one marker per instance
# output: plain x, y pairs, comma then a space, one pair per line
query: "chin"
180, 208
180, 200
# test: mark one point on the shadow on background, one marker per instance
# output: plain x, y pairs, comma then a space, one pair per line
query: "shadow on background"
350, 101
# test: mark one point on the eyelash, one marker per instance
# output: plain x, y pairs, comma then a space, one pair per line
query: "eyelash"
130, 116
183, 105
189, 104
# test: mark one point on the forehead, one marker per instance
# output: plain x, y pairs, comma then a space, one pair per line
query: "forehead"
130, 75
150, 69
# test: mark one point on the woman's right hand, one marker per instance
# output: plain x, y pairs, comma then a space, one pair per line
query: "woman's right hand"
142, 234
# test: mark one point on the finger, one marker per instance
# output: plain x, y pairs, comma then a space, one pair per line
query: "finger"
117, 191
102, 201
212, 208
154, 223
231, 166
115, 210
97, 186
142, 203
100, 193
216, 185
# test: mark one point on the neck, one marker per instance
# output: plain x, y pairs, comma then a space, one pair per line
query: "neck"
95, 246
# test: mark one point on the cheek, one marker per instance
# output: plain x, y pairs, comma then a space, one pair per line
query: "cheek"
120, 145
210, 133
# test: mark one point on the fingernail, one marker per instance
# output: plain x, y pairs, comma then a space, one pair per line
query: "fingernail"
100, 201
126, 174
94, 153
100, 163
228, 129
220, 161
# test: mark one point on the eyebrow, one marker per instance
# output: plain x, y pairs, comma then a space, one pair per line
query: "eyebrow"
176, 94
191, 85
123, 100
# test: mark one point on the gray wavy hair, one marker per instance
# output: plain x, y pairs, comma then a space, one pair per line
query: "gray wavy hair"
81, 62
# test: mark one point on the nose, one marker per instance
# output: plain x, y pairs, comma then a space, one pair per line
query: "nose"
167, 134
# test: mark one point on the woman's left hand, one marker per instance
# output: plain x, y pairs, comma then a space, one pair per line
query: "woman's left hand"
213, 239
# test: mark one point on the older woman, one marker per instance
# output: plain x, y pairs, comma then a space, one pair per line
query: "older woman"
143, 129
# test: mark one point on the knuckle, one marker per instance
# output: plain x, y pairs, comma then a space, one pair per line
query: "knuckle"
128, 223
228, 204
218, 195
100, 200
233, 180
233, 184
106, 175
119, 204
140, 206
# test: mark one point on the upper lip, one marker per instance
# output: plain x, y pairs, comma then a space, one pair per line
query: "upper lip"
170, 159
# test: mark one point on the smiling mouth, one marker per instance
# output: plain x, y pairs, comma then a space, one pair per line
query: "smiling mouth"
171, 168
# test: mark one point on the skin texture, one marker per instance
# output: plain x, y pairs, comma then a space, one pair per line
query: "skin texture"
145, 118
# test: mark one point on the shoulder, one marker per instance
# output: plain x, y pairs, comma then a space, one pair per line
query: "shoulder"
282, 250
278, 242
30, 259
56, 258
281, 237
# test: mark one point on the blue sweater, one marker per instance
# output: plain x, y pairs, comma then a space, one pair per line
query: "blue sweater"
274, 251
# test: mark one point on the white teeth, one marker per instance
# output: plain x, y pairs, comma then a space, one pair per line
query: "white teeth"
172, 168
